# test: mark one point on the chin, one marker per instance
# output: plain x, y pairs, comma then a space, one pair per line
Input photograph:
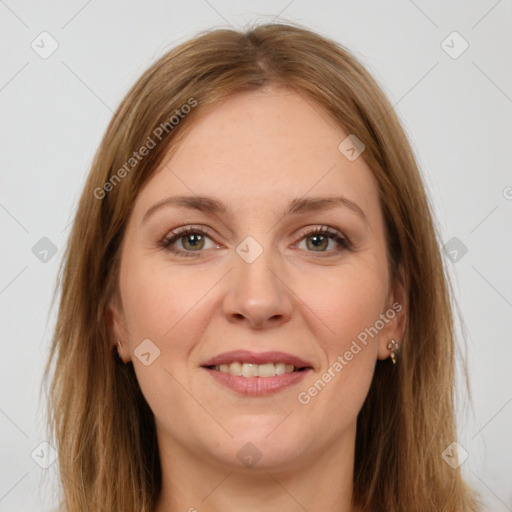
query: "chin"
247, 456
256, 446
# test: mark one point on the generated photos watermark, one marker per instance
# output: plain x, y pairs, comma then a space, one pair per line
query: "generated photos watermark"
158, 133
304, 397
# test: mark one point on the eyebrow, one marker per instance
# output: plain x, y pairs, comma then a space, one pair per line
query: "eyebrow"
297, 206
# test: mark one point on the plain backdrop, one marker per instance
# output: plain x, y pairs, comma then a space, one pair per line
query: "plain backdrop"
452, 91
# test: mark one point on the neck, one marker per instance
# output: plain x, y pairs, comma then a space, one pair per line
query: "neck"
323, 482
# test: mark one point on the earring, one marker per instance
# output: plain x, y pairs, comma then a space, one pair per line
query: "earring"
393, 346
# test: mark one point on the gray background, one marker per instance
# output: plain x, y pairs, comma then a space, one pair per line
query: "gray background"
456, 111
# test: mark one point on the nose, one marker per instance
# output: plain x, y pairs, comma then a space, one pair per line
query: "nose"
258, 293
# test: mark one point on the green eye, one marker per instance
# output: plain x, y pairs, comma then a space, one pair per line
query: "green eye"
193, 240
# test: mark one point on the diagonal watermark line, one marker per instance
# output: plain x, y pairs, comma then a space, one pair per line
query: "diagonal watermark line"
14, 486
81, 489
211, 288
321, 178
198, 402
310, 189
281, 11
87, 86
218, 12
14, 218
12, 280
492, 491
502, 296
433, 434
503, 407
280, 423
492, 81
14, 76
13, 13
416, 84
493, 210
217, 486
76, 14
166, 166
301, 300
492, 8
286, 491
424, 13
67, 225
14, 423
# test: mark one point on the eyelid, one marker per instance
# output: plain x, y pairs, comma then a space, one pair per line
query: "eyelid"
177, 233
336, 235
311, 230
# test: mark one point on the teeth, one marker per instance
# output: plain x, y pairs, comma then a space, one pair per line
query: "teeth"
255, 370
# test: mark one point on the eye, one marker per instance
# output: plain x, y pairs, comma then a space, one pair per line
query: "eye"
193, 240
320, 238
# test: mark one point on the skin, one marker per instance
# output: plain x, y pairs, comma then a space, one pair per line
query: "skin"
256, 152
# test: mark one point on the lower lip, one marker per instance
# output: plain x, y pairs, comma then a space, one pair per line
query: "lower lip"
258, 386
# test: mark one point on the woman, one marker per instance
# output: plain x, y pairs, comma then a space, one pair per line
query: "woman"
254, 310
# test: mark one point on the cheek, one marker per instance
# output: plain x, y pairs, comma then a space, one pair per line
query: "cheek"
162, 304
346, 303
350, 303
157, 298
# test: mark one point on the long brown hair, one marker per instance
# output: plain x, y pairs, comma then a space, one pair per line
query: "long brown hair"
104, 429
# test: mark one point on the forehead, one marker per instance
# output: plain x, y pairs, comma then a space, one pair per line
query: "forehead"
262, 148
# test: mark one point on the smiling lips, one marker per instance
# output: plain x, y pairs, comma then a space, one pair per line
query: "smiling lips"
255, 374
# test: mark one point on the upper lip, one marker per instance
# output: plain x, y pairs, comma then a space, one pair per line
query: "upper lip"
246, 356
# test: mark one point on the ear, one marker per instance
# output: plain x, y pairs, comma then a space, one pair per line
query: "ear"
116, 327
396, 314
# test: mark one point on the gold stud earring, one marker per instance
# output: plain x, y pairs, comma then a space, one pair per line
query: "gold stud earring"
393, 346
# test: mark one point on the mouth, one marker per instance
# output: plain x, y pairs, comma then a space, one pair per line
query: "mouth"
255, 374
265, 370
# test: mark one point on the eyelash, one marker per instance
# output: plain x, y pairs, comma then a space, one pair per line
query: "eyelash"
319, 230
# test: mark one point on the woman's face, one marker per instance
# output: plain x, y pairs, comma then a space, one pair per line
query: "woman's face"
258, 281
